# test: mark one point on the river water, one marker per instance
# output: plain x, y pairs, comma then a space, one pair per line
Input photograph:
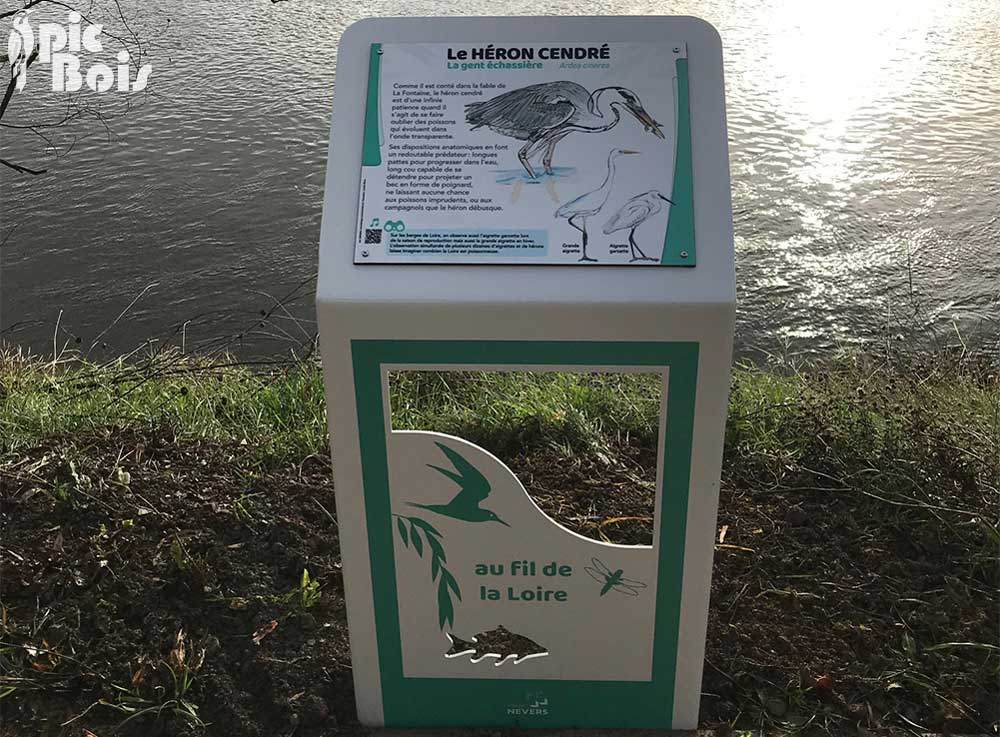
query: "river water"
864, 140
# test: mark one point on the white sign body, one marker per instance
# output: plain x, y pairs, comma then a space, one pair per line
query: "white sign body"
440, 542
489, 154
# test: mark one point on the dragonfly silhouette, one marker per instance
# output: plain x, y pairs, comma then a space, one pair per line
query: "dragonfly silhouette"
613, 580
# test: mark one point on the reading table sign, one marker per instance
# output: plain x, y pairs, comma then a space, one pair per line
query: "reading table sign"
483, 174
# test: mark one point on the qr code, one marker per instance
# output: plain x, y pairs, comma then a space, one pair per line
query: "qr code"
372, 235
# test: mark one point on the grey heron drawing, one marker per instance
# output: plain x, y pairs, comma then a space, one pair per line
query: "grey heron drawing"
634, 213
543, 114
577, 210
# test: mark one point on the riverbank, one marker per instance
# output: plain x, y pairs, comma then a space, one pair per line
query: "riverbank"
855, 573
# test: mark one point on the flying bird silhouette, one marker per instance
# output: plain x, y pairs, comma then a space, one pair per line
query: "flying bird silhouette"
474, 488
543, 114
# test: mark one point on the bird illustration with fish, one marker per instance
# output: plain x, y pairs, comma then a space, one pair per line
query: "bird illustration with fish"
613, 580
473, 490
543, 114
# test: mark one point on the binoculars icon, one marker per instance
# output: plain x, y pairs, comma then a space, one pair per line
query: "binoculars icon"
391, 226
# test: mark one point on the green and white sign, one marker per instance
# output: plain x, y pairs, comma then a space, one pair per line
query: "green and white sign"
447, 233
527, 153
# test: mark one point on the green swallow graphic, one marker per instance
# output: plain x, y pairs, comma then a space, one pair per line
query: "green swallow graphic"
474, 488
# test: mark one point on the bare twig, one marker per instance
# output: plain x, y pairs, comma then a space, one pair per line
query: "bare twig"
326, 511
22, 169
12, 84
123, 313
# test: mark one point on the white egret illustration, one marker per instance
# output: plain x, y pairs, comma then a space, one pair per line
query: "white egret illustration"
577, 210
544, 114
634, 213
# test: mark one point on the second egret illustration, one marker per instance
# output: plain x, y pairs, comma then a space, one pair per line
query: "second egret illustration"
634, 213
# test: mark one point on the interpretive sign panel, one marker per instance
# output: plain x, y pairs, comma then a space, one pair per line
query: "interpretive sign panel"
475, 164
544, 153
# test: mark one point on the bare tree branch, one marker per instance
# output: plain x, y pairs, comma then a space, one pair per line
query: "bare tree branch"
13, 81
86, 19
77, 106
8, 234
26, 6
22, 169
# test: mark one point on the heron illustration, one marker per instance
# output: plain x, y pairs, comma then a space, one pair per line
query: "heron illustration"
634, 213
543, 114
474, 488
577, 210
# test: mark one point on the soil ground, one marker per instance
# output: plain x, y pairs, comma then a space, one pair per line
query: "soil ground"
824, 619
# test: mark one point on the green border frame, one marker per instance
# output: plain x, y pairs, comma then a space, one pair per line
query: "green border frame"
371, 148
472, 701
680, 227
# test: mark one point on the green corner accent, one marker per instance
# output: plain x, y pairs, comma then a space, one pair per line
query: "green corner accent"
371, 152
446, 702
680, 227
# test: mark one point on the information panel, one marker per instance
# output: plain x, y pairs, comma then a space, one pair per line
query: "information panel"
461, 143
540, 153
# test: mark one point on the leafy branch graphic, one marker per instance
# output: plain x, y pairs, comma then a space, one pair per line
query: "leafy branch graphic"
409, 529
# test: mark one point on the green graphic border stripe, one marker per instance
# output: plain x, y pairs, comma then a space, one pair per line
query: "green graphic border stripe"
371, 151
472, 701
680, 226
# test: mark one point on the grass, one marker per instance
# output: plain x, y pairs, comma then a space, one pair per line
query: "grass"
505, 412
889, 430
134, 703
893, 432
860, 503
279, 414
860, 405
306, 595
774, 411
870, 428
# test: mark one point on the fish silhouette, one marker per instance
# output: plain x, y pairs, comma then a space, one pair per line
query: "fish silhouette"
499, 643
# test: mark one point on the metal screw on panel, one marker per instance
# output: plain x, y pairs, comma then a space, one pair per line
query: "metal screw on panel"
684, 254
677, 49
364, 254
